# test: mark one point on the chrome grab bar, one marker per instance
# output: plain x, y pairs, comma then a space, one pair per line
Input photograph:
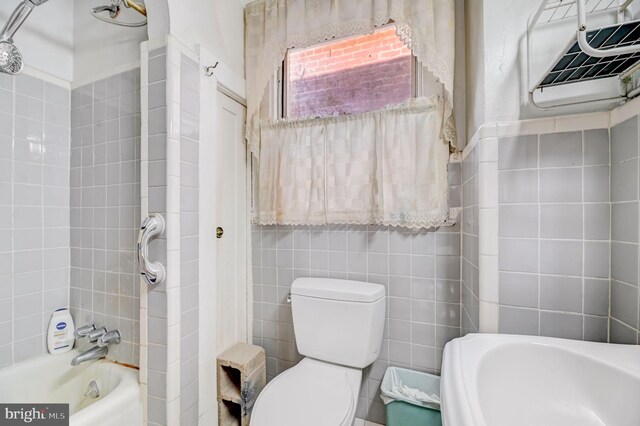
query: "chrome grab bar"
153, 272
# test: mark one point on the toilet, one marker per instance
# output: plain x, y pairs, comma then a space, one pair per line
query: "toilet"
338, 326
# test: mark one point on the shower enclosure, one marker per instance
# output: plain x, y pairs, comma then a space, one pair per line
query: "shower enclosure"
100, 129
70, 132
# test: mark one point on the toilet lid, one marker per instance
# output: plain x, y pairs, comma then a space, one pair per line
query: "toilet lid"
310, 395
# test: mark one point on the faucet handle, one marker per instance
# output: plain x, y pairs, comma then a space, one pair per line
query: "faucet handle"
109, 338
84, 330
94, 335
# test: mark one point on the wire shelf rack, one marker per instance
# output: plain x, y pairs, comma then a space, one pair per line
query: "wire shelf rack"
575, 65
557, 10
609, 51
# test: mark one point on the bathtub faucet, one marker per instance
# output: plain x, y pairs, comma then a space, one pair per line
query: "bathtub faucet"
103, 338
95, 352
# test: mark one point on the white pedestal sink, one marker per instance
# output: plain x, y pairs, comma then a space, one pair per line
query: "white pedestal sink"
507, 380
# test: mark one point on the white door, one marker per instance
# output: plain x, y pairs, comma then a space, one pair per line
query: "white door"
232, 218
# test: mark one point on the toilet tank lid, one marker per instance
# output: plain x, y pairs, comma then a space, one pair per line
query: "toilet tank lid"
333, 289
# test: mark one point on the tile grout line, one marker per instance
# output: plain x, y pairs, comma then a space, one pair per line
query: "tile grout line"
13, 291
584, 245
539, 265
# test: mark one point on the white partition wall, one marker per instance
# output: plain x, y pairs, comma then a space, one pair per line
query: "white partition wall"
178, 174
170, 181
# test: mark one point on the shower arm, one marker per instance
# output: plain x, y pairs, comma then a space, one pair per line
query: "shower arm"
115, 8
138, 7
17, 18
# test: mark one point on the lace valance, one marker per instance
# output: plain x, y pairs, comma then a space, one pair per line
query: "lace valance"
273, 26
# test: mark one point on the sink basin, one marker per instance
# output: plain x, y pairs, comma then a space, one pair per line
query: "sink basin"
507, 380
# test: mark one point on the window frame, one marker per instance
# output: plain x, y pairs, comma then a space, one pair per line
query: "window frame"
281, 77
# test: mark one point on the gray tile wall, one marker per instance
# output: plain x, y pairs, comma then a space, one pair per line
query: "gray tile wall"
189, 239
34, 212
470, 297
421, 271
554, 235
105, 208
157, 182
625, 297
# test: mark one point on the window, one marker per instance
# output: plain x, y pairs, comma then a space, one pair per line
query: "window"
349, 75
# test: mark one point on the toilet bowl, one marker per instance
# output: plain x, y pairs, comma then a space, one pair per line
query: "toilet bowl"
320, 393
338, 325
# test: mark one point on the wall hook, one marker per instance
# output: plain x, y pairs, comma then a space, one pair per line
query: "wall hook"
210, 69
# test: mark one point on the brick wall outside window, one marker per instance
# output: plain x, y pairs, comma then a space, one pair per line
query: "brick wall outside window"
356, 74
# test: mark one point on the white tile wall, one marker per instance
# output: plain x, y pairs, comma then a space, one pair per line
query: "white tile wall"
34, 212
171, 186
155, 185
554, 234
189, 239
625, 297
105, 208
470, 260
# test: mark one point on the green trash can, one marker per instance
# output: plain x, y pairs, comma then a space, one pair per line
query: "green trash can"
411, 398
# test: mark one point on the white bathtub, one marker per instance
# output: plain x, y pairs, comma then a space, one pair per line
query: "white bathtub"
52, 379
503, 380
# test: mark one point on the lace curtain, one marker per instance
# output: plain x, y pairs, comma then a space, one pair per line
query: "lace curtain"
385, 167
273, 26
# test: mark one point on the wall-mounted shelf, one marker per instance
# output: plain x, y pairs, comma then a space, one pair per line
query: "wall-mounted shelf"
557, 10
593, 52
575, 65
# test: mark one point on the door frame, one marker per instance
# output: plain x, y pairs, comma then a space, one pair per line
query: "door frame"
213, 80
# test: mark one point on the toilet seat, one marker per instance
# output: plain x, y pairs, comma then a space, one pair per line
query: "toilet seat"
313, 393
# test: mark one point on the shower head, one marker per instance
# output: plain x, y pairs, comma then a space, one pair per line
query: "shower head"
10, 57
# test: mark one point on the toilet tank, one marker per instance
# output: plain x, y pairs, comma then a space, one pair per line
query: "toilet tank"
338, 321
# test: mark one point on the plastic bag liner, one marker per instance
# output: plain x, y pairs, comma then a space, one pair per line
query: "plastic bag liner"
421, 389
